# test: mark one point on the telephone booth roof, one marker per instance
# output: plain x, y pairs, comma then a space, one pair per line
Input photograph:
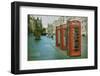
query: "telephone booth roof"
75, 22
57, 27
63, 26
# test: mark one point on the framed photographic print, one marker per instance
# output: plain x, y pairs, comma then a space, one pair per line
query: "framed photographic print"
52, 37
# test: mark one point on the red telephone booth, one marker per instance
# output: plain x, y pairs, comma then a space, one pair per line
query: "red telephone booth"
63, 37
74, 40
57, 36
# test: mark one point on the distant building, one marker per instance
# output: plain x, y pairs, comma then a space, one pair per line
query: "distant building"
50, 30
64, 20
34, 24
31, 23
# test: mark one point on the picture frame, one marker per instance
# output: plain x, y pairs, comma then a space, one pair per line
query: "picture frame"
19, 9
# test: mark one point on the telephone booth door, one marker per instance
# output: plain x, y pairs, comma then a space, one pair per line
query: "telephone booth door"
57, 36
63, 37
74, 38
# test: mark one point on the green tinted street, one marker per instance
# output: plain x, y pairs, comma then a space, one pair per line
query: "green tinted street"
45, 49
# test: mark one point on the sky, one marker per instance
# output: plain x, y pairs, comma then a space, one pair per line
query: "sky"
47, 19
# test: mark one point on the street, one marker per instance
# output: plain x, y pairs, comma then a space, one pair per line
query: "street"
45, 49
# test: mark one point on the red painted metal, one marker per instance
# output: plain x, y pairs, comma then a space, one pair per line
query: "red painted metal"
74, 40
57, 36
63, 37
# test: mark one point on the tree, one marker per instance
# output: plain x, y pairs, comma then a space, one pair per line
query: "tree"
44, 31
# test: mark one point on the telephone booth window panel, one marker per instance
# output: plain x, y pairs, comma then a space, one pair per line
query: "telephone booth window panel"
67, 36
74, 38
63, 37
57, 36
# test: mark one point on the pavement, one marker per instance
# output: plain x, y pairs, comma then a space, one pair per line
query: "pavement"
45, 49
